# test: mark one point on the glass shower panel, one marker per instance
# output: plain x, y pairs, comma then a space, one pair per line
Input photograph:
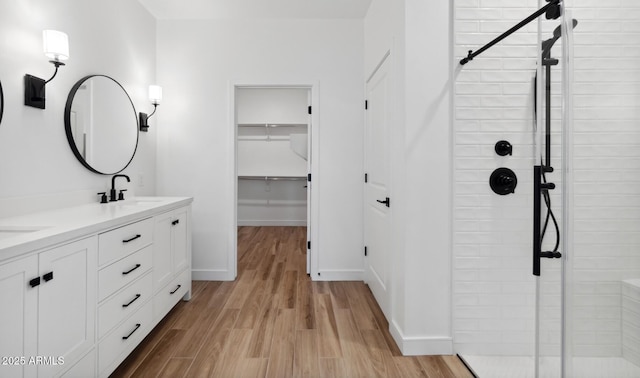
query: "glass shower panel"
602, 148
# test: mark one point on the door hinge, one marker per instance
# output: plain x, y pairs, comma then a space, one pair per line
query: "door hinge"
309, 177
366, 177
365, 250
309, 244
366, 104
309, 109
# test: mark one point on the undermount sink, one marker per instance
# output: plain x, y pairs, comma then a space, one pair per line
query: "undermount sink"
13, 231
136, 202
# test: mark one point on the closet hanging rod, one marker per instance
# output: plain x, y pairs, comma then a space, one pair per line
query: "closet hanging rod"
274, 178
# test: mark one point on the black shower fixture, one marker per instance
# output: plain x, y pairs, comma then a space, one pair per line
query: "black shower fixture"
552, 10
557, 33
541, 186
503, 181
503, 148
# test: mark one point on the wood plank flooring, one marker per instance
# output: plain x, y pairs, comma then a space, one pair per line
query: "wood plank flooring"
273, 321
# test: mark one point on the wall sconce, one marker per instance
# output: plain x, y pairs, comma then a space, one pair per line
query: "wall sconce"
56, 48
155, 96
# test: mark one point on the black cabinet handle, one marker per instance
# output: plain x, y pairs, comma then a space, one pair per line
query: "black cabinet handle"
132, 269
386, 202
175, 222
129, 335
177, 288
132, 239
48, 277
133, 300
34, 282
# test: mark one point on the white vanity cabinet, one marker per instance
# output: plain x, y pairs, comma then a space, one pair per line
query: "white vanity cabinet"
171, 259
126, 257
75, 303
48, 318
170, 256
19, 316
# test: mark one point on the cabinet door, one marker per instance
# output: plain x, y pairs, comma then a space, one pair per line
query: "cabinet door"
179, 240
66, 304
18, 317
162, 262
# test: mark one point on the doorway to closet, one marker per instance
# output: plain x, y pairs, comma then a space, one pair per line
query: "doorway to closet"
273, 161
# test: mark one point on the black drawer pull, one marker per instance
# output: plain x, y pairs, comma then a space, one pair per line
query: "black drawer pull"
175, 222
34, 282
48, 277
132, 239
133, 300
177, 288
129, 335
132, 269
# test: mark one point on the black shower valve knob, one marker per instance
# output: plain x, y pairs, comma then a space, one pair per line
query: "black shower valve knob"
503, 148
503, 181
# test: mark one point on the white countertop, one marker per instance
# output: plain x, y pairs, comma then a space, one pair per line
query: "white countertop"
30, 232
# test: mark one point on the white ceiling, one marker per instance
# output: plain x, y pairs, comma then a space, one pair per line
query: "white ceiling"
255, 9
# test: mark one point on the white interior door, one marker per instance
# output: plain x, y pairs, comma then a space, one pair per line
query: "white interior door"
377, 206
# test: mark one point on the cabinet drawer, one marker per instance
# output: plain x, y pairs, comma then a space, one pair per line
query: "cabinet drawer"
114, 348
119, 274
124, 303
118, 243
169, 295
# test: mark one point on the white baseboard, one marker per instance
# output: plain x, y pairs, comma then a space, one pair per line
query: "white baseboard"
338, 275
257, 223
421, 345
211, 275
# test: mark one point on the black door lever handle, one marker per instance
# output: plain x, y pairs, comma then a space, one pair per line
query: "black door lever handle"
386, 202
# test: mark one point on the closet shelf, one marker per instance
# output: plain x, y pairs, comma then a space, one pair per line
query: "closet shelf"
272, 125
274, 178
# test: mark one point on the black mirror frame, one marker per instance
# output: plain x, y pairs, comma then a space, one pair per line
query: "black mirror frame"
67, 125
1, 102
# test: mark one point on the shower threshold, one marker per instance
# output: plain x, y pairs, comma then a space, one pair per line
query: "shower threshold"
523, 367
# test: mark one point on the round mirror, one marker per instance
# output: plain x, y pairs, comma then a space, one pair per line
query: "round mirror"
101, 124
1, 102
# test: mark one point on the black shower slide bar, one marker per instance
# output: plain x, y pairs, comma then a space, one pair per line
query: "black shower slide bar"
552, 10
538, 188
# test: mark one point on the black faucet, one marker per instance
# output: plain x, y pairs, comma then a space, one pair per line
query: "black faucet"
112, 193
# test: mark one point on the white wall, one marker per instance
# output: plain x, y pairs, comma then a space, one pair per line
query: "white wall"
198, 63
419, 37
114, 38
272, 105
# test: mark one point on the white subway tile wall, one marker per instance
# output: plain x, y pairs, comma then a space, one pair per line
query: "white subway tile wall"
494, 290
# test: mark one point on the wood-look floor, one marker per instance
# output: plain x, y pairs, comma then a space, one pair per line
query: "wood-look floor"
273, 321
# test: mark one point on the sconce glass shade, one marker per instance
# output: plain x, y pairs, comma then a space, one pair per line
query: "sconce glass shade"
56, 45
155, 94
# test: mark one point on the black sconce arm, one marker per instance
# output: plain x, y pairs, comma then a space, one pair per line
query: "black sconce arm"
143, 119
